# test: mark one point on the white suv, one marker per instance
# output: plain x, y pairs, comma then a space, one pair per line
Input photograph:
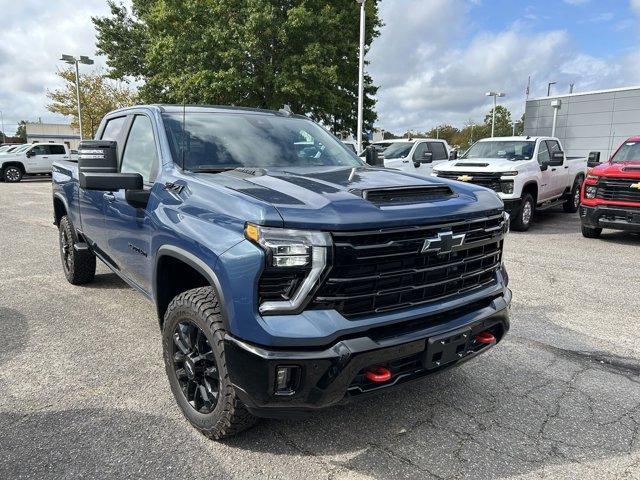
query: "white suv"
31, 159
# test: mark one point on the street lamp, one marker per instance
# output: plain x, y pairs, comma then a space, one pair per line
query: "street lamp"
549, 88
495, 95
361, 76
471, 139
71, 60
4, 135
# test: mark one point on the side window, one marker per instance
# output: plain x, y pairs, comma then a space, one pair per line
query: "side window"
438, 150
543, 154
41, 150
57, 150
112, 128
553, 146
140, 154
420, 149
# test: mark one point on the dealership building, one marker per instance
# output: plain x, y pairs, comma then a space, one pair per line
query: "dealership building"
52, 132
585, 122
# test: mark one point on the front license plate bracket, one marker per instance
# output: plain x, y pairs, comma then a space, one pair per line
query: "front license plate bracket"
447, 348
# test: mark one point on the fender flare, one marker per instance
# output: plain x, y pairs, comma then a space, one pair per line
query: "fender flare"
197, 264
59, 196
12, 162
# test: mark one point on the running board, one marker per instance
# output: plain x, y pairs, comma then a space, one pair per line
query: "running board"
550, 204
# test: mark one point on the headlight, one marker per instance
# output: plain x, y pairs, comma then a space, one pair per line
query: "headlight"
590, 191
592, 177
512, 173
507, 186
434, 173
291, 251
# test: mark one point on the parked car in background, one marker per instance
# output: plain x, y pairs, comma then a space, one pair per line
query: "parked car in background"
611, 192
286, 278
10, 148
528, 173
31, 159
416, 155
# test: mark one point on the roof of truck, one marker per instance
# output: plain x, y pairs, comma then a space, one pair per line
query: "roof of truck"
169, 108
521, 138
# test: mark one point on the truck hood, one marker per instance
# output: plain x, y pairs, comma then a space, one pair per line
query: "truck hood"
489, 165
619, 169
331, 198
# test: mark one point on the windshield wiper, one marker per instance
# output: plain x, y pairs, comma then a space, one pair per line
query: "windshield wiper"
211, 169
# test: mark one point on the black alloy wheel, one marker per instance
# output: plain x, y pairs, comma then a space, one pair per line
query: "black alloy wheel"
195, 367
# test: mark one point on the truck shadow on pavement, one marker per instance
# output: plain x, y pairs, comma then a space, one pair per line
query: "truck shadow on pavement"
521, 408
107, 281
101, 443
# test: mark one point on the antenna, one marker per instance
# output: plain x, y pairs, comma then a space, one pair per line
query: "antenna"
184, 108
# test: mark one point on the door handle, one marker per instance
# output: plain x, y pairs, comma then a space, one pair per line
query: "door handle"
553, 169
566, 167
45, 157
109, 197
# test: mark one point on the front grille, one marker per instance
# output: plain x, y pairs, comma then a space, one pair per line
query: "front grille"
385, 270
489, 180
618, 189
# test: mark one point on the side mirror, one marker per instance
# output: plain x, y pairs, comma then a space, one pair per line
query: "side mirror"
31, 153
98, 168
372, 157
594, 159
453, 155
544, 167
557, 159
427, 157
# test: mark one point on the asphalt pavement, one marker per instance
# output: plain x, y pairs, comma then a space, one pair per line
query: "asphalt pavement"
83, 392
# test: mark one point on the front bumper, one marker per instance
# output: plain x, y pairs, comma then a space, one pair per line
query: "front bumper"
326, 377
609, 216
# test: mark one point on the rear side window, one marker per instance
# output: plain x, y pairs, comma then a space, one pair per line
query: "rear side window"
56, 150
140, 154
438, 150
112, 128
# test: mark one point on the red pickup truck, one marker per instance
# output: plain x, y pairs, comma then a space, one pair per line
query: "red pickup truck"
611, 192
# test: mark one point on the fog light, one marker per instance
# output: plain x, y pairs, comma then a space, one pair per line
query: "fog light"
287, 378
590, 191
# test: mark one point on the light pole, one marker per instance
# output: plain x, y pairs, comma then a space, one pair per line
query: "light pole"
471, 140
71, 60
495, 95
513, 130
4, 135
361, 76
549, 88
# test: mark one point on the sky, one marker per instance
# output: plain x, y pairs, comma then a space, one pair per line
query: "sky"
433, 62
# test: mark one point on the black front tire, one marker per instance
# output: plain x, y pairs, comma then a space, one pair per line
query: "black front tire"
79, 266
589, 232
523, 214
572, 203
199, 307
12, 174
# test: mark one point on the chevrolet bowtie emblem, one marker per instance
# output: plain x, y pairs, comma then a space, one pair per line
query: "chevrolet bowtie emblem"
635, 185
444, 242
465, 178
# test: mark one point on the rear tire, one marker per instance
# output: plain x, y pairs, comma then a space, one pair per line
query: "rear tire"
79, 266
589, 232
12, 174
194, 356
572, 203
523, 214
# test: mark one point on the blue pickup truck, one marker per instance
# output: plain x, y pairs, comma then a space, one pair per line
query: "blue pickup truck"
287, 274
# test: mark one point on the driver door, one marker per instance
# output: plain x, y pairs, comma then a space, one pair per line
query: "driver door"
547, 186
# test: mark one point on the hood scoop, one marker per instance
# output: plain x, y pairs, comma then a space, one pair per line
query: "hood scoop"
631, 169
405, 195
469, 164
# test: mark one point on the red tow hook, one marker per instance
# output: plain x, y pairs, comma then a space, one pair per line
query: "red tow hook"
378, 374
485, 337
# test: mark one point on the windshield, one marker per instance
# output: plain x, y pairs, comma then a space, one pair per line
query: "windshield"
628, 152
510, 150
224, 141
398, 150
21, 148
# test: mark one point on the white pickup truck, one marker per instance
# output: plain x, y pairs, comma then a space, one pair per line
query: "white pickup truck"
414, 155
528, 173
31, 159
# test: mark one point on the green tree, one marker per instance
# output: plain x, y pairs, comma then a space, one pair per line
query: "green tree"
21, 131
503, 121
444, 132
98, 96
257, 53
